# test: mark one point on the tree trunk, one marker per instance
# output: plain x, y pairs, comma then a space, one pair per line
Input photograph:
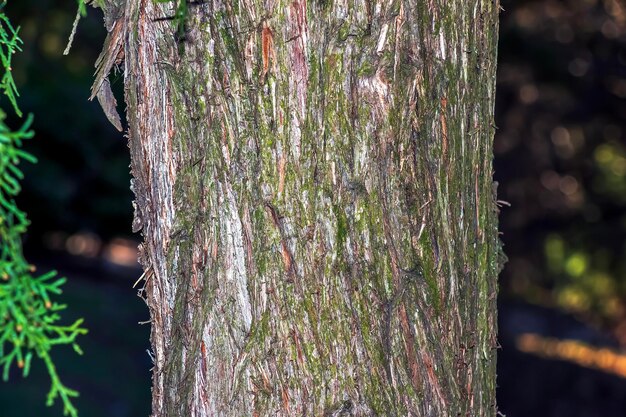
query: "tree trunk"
314, 184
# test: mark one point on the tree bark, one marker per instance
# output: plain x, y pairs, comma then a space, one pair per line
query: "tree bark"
314, 184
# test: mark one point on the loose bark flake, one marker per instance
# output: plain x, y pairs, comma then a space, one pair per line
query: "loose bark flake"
314, 182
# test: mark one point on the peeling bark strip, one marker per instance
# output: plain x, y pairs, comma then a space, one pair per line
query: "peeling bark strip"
313, 179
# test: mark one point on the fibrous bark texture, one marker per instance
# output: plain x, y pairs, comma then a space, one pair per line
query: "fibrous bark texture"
314, 183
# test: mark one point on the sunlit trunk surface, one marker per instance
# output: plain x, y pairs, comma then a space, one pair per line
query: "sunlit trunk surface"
314, 186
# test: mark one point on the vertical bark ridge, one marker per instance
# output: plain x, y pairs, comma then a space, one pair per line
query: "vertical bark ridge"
314, 179
154, 170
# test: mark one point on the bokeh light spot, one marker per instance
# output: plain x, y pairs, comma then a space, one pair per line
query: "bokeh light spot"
576, 264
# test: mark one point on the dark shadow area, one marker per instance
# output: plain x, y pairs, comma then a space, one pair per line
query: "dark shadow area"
532, 385
113, 374
560, 158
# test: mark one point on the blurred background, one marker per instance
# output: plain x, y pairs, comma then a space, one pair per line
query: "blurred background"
560, 159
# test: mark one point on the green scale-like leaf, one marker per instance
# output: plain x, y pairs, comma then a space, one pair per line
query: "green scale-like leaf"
28, 316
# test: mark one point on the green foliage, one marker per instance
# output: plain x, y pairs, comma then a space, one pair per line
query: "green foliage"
180, 15
82, 9
584, 280
28, 316
9, 43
